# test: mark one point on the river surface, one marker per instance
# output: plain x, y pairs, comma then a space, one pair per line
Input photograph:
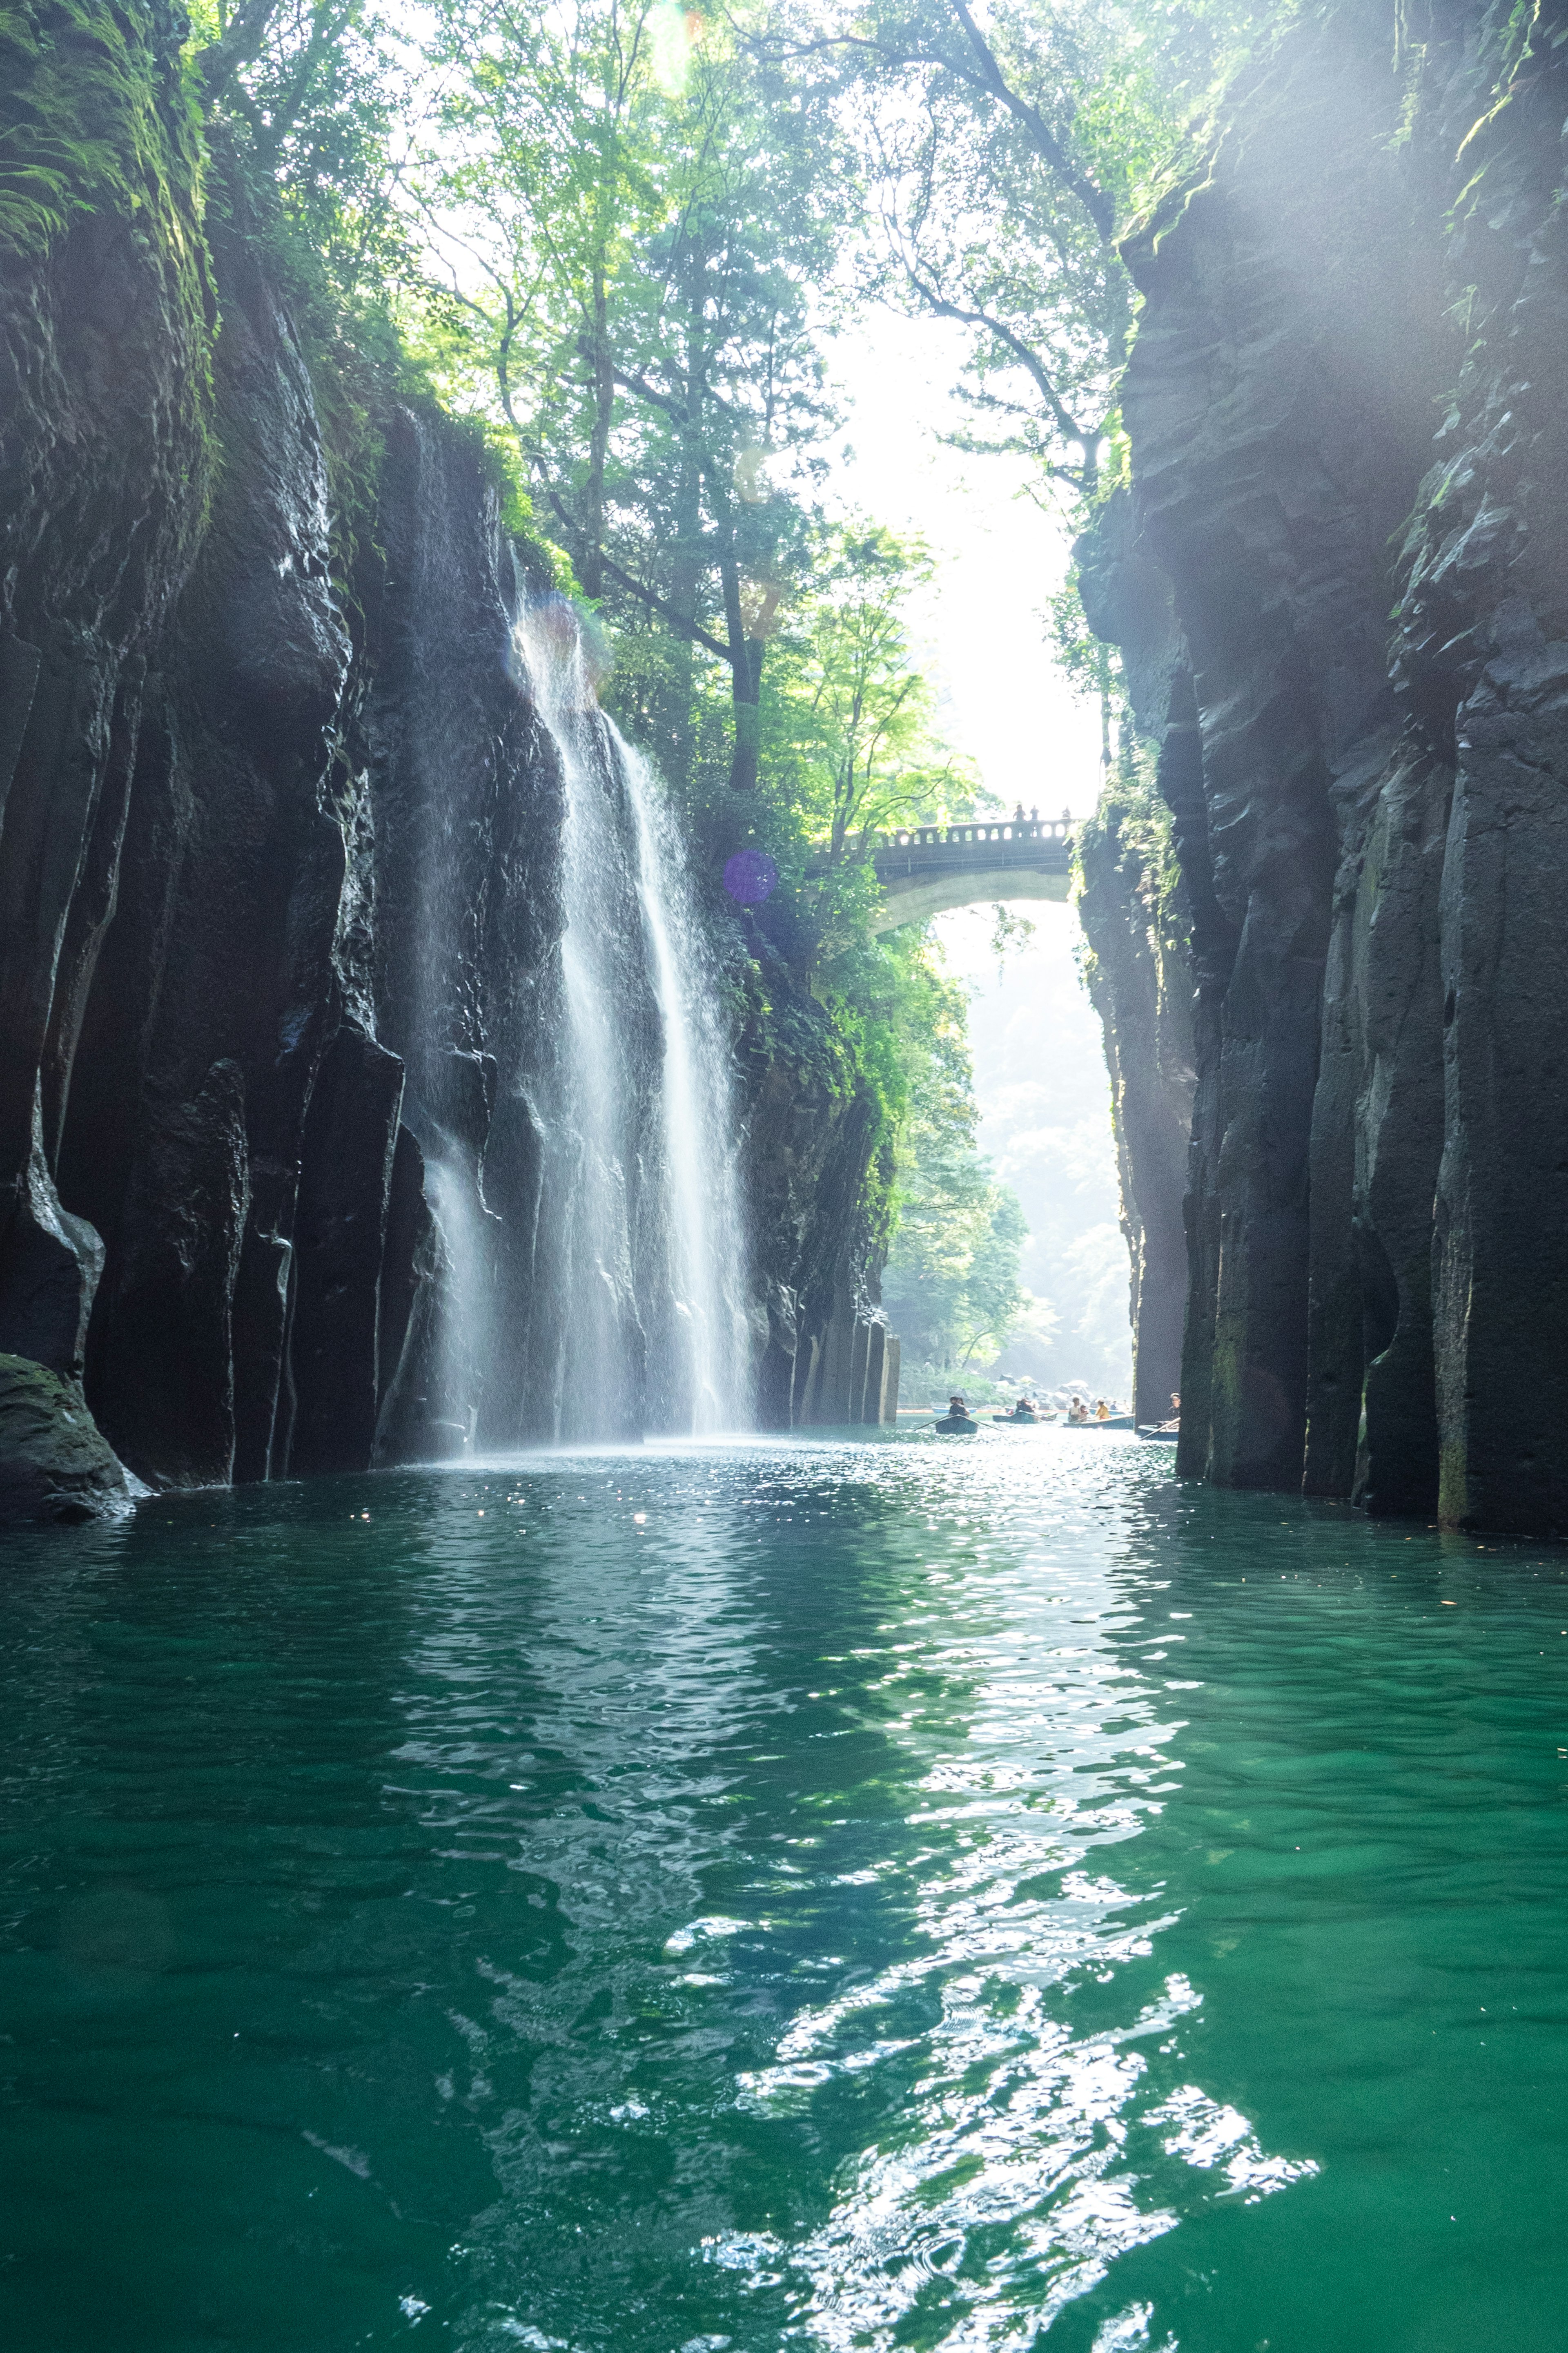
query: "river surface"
833, 1894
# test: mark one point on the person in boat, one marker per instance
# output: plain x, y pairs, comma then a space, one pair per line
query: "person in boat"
1101, 1409
955, 1405
1078, 1411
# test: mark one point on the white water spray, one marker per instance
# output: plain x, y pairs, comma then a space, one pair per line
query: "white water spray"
706, 1230
645, 1217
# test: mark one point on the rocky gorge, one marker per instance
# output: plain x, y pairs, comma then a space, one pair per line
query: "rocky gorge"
1338, 571
318, 1145
288, 1150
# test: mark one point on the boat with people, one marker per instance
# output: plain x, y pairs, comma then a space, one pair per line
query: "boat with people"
1023, 1414
957, 1421
1164, 1433
1104, 1414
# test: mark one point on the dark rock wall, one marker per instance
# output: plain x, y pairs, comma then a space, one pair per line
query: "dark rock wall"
1483, 653
1140, 985
1368, 815
819, 1165
105, 463
279, 906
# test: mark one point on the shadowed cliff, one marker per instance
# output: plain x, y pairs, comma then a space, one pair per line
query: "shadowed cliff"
280, 842
1345, 400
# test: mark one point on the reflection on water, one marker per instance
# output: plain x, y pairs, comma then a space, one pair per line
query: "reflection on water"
854, 1895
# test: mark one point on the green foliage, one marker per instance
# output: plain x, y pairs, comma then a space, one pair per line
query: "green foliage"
1006, 156
96, 119
851, 735
1130, 830
1085, 661
93, 118
952, 1278
848, 743
312, 109
629, 224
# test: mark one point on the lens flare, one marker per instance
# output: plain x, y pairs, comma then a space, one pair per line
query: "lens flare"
750, 877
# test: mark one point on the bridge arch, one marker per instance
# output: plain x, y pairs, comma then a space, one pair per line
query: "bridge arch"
926, 869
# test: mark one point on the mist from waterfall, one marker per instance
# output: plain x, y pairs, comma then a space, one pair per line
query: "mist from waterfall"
641, 1229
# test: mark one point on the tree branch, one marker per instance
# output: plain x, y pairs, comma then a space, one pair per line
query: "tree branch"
681, 623
325, 29
222, 59
645, 391
1067, 427
1095, 202
986, 74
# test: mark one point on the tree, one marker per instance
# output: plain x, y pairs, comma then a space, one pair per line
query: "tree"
321, 101
1008, 147
952, 1278
854, 716
632, 238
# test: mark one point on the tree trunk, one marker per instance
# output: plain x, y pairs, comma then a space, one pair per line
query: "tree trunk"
602, 359
747, 678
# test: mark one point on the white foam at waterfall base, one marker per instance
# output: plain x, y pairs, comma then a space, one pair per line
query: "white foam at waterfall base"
647, 1220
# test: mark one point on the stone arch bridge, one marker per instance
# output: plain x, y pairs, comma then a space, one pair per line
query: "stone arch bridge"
926, 869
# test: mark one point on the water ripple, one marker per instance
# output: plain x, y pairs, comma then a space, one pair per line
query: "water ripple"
861, 1895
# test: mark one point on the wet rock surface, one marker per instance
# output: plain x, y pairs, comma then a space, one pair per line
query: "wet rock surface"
280, 903
825, 1353
1368, 815
1140, 987
54, 1462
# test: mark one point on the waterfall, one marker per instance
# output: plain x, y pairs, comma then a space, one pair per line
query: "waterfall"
706, 1231
641, 1247
544, 974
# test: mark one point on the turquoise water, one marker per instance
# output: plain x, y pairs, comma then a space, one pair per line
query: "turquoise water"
835, 1895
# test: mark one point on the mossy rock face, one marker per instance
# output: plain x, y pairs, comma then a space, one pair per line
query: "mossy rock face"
107, 319
55, 1463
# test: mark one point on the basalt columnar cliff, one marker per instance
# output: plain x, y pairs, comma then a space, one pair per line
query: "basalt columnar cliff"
287, 1137
1339, 577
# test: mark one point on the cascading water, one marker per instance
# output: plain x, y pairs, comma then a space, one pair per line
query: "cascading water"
706, 1232
553, 998
641, 1245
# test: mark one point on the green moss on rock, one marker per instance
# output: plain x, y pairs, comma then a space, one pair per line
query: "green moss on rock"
55, 1463
96, 117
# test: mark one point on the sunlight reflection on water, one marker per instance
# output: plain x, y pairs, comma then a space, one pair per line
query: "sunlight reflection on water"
871, 1895
1016, 2134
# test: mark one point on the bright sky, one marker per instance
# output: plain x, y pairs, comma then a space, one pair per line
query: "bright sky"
1004, 701
1039, 1066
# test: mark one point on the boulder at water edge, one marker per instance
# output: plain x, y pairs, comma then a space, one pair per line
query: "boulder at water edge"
55, 1463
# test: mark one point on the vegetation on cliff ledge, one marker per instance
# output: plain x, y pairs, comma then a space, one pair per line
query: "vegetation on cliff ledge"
618, 240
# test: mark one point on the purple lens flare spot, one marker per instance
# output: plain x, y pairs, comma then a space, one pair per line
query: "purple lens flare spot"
749, 876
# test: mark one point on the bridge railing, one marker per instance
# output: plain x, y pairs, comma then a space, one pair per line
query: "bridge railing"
1009, 841
956, 837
